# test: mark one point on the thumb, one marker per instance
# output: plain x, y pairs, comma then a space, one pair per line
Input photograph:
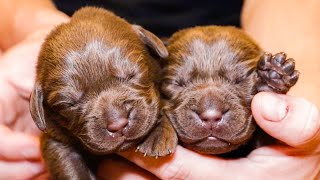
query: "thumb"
292, 120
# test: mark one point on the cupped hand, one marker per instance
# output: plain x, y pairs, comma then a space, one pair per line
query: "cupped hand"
292, 120
20, 156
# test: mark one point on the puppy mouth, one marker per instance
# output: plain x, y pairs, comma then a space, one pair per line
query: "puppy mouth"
214, 141
212, 145
112, 135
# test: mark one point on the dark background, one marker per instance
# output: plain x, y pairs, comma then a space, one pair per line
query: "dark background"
163, 17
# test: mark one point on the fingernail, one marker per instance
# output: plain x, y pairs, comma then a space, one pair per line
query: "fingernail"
273, 107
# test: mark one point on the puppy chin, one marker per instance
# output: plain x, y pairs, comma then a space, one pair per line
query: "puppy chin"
108, 145
215, 145
212, 145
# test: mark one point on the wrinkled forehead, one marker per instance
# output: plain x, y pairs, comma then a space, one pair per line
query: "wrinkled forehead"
97, 66
214, 41
202, 55
96, 55
214, 57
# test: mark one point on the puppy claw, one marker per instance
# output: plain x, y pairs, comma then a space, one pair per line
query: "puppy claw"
137, 149
145, 154
169, 151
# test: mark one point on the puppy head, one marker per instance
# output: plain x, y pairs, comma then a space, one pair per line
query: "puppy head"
209, 82
97, 83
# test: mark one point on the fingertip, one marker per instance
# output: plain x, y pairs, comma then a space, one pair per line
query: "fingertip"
269, 107
18, 146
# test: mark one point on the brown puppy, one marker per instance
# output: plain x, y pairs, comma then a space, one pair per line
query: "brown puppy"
211, 76
96, 93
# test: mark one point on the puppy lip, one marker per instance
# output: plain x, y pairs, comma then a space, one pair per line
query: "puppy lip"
114, 134
211, 139
215, 139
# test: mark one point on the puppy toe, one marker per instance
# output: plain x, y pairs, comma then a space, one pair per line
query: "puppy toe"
293, 78
264, 61
158, 146
279, 59
162, 141
289, 66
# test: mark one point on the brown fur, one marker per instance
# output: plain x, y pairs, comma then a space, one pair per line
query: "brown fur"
92, 72
214, 69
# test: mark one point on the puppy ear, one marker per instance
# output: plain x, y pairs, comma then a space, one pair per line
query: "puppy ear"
151, 41
36, 106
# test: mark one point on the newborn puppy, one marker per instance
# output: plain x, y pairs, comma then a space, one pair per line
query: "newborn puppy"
96, 93
211, 76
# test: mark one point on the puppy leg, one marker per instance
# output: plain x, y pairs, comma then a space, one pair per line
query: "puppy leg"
64, 162
161, 142
277, 73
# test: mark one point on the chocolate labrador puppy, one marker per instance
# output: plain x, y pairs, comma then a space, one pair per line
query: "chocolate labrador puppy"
96, 93
210, 78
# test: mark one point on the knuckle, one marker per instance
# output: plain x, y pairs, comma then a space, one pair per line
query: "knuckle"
174, 171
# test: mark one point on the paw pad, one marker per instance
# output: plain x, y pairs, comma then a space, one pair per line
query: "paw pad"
277, 72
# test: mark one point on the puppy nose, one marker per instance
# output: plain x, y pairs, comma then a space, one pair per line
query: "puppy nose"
211, 115
116, 124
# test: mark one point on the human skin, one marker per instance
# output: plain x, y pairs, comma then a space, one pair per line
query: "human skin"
24, 24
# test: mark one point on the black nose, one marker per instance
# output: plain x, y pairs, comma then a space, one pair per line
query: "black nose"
211, 115
117, 124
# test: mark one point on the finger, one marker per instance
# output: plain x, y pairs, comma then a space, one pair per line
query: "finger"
183, 164
121, 169
292, 120
42, 176
18, 146
20, 170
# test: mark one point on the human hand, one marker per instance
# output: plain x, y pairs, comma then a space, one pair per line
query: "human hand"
292, 120
20, 156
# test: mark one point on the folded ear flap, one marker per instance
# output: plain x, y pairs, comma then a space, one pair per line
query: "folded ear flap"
36, 107
151, 41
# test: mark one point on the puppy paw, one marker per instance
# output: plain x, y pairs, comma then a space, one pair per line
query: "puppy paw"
277, 73
161, 142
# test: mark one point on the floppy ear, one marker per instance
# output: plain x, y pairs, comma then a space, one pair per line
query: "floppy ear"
36, 107
151, 41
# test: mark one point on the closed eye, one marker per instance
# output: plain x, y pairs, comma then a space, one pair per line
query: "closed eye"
179, 83
62, 105
128, 105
